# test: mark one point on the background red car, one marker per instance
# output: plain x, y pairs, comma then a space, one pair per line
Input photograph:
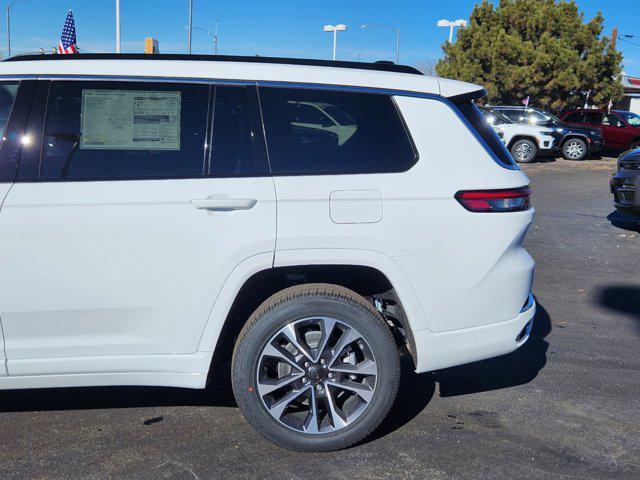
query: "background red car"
621, 129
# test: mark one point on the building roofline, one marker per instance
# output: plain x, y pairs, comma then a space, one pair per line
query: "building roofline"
381, 66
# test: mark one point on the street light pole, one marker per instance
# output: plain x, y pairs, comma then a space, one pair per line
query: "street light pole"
395, 29
452, 24
212, 35
335, 29
190, 26
9, 26
118, 41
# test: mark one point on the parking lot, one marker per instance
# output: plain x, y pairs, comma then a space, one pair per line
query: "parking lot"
566, 405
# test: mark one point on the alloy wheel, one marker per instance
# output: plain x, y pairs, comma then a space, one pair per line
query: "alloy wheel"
316, 375
574, 150
523, 152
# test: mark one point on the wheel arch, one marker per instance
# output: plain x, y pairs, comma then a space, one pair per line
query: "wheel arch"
243, 294
523, 137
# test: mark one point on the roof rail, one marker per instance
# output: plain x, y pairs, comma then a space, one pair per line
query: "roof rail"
379, 66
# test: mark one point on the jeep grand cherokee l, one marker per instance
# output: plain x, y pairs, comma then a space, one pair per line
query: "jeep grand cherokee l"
162, 214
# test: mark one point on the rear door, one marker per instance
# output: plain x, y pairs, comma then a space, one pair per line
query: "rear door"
117, 239
15, 99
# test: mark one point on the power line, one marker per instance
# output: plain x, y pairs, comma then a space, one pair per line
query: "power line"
629, 41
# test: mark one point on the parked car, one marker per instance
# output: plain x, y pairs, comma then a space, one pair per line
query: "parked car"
164, 214
525, 142
573, 142
626, 182
621, 129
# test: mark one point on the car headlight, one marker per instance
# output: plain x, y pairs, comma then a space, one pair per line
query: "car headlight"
560, 130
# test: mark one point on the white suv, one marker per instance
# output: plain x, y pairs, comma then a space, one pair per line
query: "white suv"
306, 220
525, 142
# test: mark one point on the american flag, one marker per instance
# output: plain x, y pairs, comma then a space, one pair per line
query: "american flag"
68, 38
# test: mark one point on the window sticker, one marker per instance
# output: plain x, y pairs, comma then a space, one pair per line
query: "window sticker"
130, 120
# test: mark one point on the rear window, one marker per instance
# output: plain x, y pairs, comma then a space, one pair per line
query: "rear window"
486, 133
322, 132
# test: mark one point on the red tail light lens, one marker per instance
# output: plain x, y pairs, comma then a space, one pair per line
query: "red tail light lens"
508, 200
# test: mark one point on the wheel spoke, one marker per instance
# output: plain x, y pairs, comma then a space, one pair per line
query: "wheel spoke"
271, 350
290, 333
366, 367
348, 336
266, 386
279, 407
336, 417
312, 423
327, 325
363, 391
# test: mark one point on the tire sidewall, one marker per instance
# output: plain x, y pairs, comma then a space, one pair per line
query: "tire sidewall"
533, 146
585, 147
247, 356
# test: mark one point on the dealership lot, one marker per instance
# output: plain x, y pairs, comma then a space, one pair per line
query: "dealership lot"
566, 405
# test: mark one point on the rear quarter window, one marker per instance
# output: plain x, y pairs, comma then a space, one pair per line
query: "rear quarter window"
323, 132
486, 134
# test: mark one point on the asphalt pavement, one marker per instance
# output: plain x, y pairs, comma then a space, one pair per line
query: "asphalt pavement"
566, 405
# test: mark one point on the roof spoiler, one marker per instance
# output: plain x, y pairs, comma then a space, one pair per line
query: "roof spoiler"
468, 96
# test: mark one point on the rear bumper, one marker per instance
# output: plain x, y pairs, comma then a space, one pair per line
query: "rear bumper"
436, 351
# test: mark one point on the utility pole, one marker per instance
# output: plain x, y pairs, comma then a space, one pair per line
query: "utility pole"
190, 26
9, 27
118, 42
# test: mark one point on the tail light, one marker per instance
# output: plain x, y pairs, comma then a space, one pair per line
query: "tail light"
506, 200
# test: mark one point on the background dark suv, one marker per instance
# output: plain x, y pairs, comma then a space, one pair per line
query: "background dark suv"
574, 142
621, 129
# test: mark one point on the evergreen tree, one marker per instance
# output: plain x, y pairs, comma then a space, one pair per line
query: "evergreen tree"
537, 48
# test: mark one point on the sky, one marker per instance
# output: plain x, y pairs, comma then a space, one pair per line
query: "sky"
288, 28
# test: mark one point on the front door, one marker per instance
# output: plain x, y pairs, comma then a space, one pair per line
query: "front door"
615, 131
137, 215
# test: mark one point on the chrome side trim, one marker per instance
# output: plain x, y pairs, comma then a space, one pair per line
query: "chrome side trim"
17, 77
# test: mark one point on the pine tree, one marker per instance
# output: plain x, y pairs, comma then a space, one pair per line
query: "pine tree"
537, 48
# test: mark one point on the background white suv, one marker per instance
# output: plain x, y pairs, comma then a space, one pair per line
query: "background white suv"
307, 220
525, 142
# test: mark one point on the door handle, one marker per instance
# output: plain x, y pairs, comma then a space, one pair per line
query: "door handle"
223, 204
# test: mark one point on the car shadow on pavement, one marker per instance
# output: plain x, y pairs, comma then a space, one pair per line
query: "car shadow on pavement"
218, 393
624, 299
516, 368
624, 221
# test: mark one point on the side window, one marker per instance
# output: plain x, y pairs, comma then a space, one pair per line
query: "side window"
124, 130
332, 132
237, 147
514, 115
612, 120
575, 117
8, 93
593, 117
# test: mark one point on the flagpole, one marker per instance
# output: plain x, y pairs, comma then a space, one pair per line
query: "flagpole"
190, 25
118, 45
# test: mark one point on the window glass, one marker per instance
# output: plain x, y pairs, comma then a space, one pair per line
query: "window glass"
237, 147
575, 117
118, 130
632, 119
8, 93
612, 120
471, 112
331, 132
593, 117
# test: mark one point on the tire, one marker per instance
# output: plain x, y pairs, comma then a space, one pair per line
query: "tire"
361, 356
575, 149
524, 151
